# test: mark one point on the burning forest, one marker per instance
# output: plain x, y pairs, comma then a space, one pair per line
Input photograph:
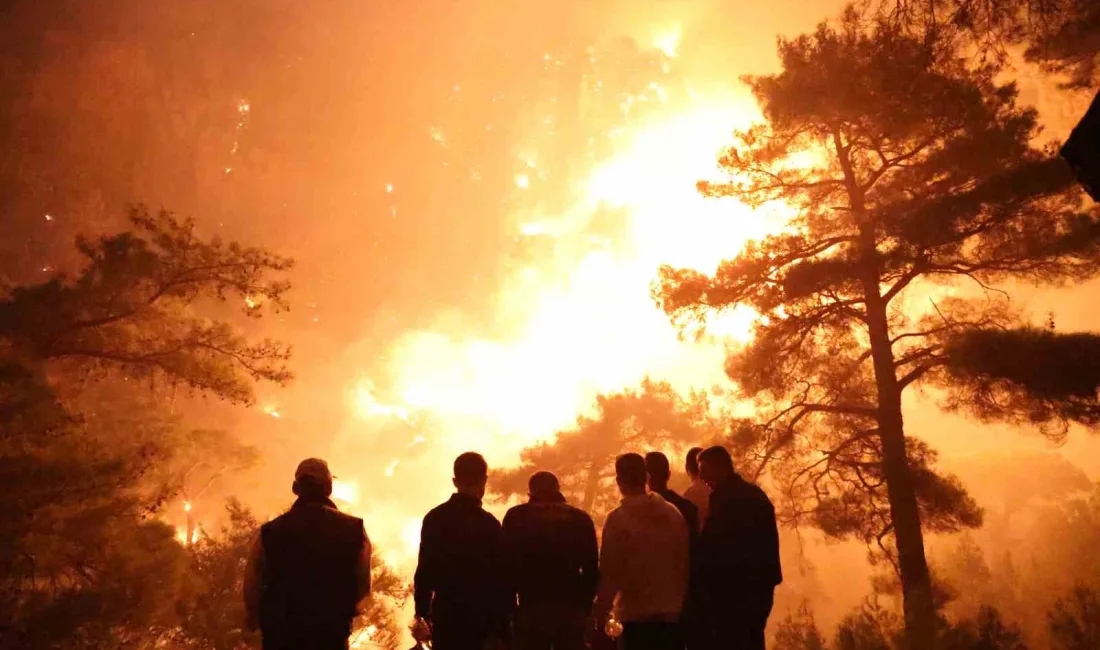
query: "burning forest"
836, 241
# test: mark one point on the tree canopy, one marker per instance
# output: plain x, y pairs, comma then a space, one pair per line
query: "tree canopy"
910, 170
131, 309
91, 450
1063, 36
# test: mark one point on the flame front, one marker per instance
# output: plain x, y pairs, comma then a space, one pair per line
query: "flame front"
570, 325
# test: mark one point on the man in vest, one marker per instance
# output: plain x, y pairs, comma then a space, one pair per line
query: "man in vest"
309, 569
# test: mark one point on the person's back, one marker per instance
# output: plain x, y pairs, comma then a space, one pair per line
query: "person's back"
740, 540
555, 555
736, 565
644, 562
553, 562
311, 588
309, 570
459, 586
653, 567
459, 551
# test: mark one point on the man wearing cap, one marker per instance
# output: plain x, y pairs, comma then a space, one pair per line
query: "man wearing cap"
460, 589
553, 562
309, 569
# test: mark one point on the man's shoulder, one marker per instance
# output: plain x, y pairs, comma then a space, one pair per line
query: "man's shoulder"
488, 517
518, 511
346, 519
439, 512
578, 514
740, 493
614, 518
318, 515
669, 508
682, 502
753, 491
697, 488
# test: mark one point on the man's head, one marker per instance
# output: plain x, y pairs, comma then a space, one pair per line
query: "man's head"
543, 487
656, 465
471, 474
692, 464
715, 466
312, 479
630, 474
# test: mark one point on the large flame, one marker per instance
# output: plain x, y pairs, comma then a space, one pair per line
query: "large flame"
576, 329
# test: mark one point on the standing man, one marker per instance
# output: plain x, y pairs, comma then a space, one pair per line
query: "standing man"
459, 587
659, 472
643, 563
553, 562
736, 565
309, 569
698, 492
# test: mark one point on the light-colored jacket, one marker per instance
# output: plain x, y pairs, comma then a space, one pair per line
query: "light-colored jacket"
644, 560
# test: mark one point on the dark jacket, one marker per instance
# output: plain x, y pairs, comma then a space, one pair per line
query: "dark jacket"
688, 511
738, 549
310, 572
460, 577
552, 553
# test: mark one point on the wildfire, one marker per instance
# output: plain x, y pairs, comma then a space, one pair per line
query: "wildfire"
187, 506
346, 491
569, 324
667, 40
367, 406
182, 537
593, 326
364, 638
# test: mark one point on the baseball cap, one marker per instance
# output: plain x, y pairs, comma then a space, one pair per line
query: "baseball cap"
313, 469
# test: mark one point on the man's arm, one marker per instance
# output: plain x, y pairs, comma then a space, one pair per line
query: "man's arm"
424, 580
362, 570
610, 571
716, 550
771, 537
253, 584
704, 510
505, 596
590, 559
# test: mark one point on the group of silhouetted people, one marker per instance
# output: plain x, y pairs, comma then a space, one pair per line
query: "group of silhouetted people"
671, 571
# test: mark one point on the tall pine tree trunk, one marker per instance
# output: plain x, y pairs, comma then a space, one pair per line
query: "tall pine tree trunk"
590, 488
916, 583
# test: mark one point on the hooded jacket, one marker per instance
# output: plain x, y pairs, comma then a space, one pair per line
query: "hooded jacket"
644, 560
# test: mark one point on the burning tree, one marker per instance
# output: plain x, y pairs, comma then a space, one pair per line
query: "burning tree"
652, 417
908, 168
